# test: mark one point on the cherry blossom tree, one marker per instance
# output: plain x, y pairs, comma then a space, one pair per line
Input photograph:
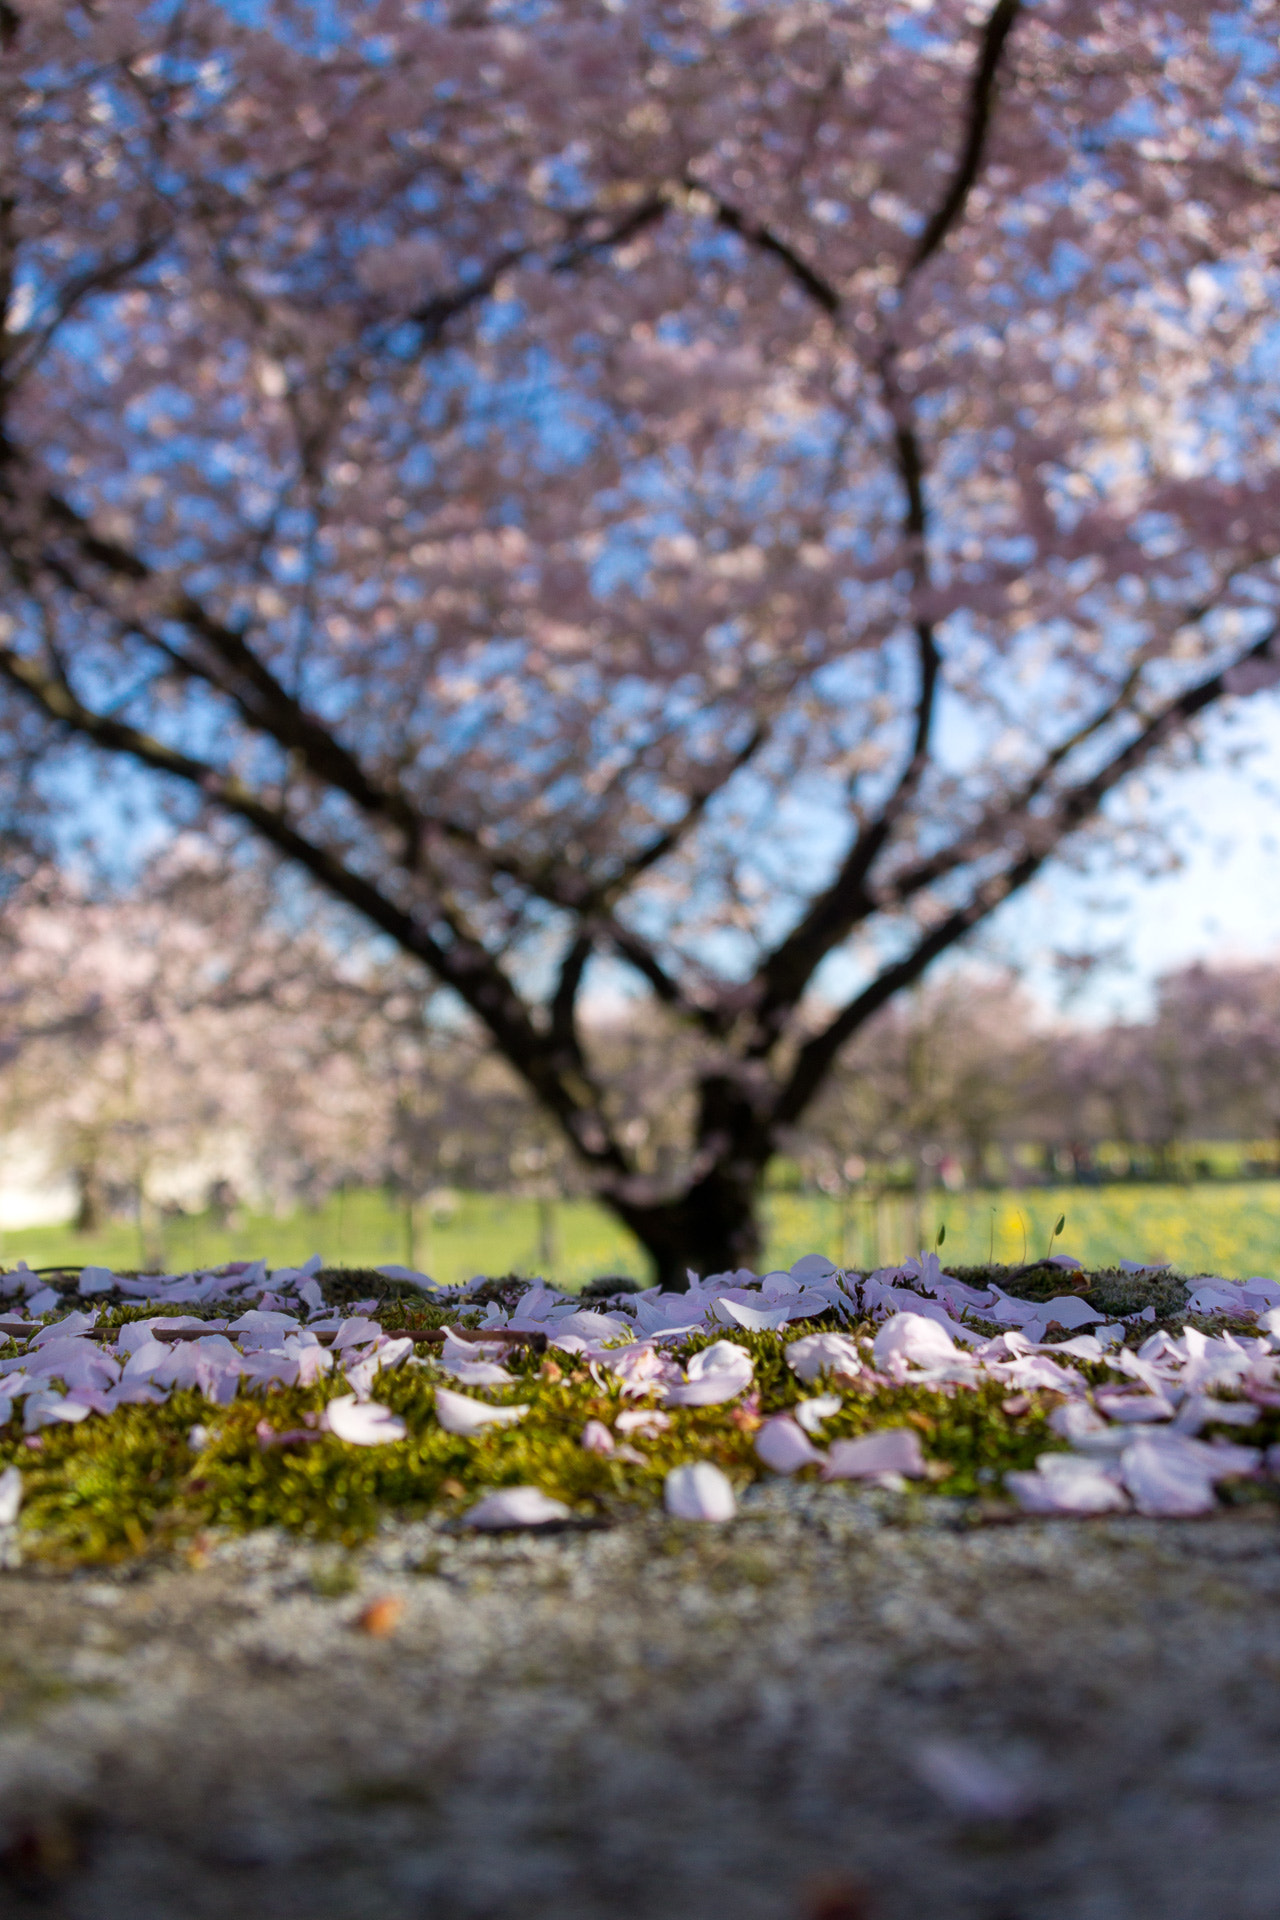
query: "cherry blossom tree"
720, 494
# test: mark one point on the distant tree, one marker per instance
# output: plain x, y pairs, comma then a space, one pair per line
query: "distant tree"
186, 1038
951, 1068
702, 489
1217, 1035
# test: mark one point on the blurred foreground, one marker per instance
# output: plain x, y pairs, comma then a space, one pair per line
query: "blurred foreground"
815, 1713
1225, 1227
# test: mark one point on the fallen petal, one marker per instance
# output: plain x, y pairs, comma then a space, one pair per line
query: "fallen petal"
458, 1413
970, 1784
699, 1492
812, 1413
364, 1423
516, 1507
1065, 1483
890, 1450
821, 1353
644, 1421
784, 1447
10, 1496
596, 1437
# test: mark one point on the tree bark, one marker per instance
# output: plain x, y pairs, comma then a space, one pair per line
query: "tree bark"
711, 1228
714, 1224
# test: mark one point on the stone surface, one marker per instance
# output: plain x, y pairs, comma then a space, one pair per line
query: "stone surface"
814, 1713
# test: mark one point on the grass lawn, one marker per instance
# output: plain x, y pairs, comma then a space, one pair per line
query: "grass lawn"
1231, 1228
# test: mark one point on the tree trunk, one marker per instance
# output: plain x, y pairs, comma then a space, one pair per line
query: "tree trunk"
88, 1199
711, 1228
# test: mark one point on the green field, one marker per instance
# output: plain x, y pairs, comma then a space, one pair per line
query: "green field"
1231, 1228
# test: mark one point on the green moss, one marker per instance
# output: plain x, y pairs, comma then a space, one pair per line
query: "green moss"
112, 1488
1109, 1290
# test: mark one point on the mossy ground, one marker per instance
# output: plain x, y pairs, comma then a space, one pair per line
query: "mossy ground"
132, 1483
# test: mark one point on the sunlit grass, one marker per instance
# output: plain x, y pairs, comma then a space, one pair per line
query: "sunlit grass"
1231, 1228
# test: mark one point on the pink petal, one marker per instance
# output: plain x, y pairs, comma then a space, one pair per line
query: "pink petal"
784, 1447
890, 1450
516, 1507
824, 1353
10, 1496
969, 1783
699, 1492
1065, 1483
458, 1413
596, 1437
363, 1423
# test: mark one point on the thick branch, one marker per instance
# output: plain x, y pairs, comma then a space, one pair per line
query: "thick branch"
564, 1001
433, 315
763, 237
982, 95
461, 962
1077, 805
785, 974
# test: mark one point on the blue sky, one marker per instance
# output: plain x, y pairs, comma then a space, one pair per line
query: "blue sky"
1222, 904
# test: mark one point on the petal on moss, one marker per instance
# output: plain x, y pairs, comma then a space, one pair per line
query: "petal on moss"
516, 1507
719, 1373
891, 1450
596, 1437
699, 1492
821, 1353
810, 1414
363, 1423
784, 1447
10, 1496
458, 1413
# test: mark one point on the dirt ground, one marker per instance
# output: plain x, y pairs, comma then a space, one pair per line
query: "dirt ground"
817, 1712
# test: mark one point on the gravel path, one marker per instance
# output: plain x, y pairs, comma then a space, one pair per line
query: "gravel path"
815, 1713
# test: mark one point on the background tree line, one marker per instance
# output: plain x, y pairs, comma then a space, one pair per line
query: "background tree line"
193, 1043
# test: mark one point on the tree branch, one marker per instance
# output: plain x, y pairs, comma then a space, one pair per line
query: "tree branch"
1077, 804
699, 800
982, 93
763, 237
564, 1001
784, 975
461, 962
